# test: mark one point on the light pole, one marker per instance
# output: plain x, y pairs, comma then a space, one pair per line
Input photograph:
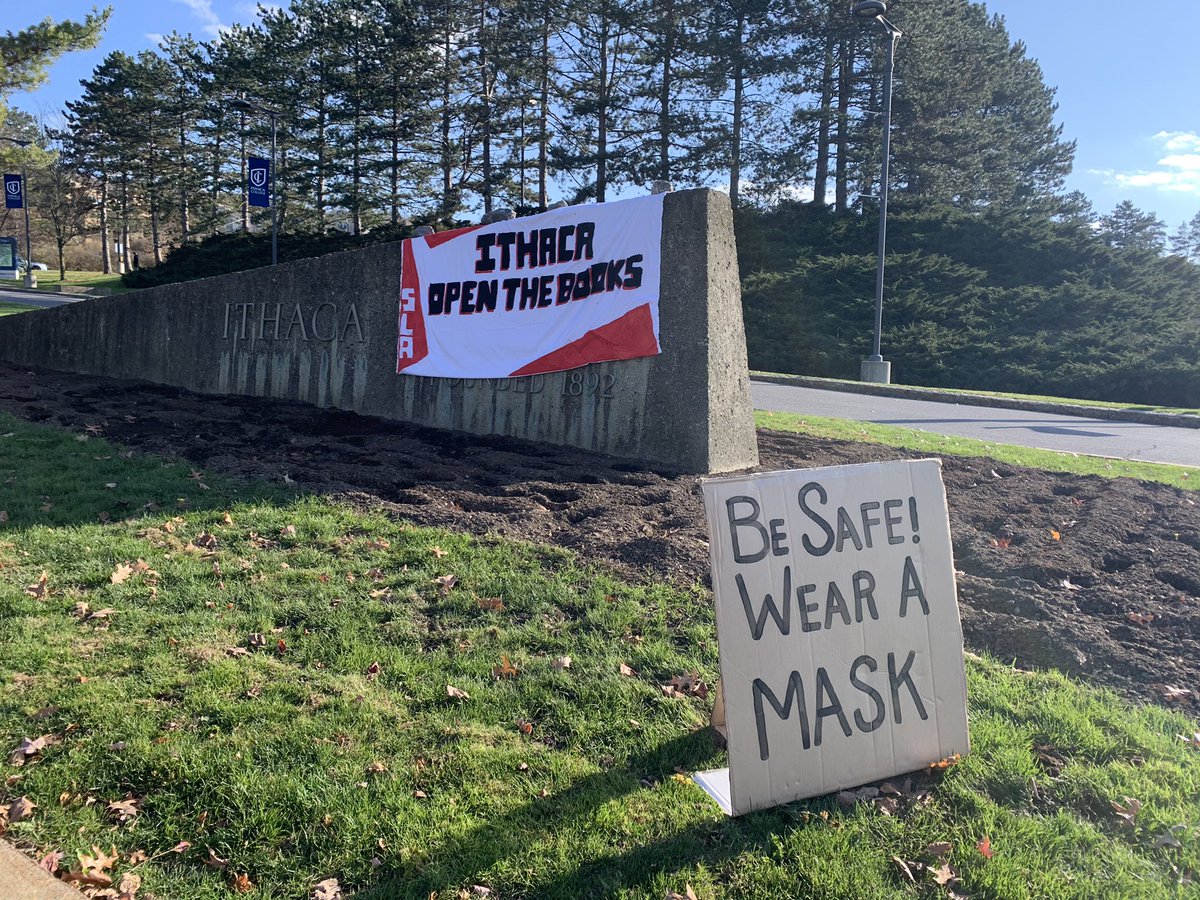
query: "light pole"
30, 278
874, 368
246, 106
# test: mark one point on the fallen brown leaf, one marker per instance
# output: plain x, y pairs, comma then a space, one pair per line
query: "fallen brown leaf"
943, 874
985, 847
99, 861
628, 671
438, 552
50, 861
28, 749
40, 588
456, 694
905, 869
215, 861
492, 603
563, 662
129, 885
121, 573
506, 669
446, 582
241, 884
21, 808
938, 849
124, 810
1127, 811
329, 889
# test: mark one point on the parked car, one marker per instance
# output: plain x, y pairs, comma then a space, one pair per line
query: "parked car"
37, 266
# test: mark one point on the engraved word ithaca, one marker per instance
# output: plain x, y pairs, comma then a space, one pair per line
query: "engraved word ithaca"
274, 321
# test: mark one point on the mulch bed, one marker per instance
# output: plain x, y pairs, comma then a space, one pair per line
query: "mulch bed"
1115, 599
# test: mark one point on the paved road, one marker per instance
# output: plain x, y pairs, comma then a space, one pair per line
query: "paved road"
1048, 431
27, 299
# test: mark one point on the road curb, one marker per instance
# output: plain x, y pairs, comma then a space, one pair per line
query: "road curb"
934, 395
23, 879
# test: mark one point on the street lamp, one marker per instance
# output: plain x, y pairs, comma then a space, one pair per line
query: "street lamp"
245, 106
30, 278
874, 368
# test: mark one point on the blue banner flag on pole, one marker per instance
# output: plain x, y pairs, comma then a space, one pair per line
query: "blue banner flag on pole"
259, 176
14, 192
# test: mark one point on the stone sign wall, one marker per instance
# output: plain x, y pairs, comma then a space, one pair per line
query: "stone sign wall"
323, 331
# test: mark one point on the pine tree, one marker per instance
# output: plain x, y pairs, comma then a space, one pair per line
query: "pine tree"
973, 120
1127, 228
1185, 241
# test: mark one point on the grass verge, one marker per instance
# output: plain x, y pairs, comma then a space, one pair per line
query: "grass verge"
263, 702
1185, 477
9, 309
1068, 401
49, 279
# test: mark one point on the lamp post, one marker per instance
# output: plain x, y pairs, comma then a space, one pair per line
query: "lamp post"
30, 278
874, 368
246, 106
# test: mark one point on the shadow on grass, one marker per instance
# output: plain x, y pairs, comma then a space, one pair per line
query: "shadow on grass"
53, 479
502, 843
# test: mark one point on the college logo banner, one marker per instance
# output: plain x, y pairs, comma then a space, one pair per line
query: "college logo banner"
258, 174
539, 294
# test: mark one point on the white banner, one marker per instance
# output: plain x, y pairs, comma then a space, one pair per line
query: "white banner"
539, 294
838, 628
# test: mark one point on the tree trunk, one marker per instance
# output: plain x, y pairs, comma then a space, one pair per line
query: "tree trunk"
544, 108
821, 176
739, 101
602, 102
664, 94
216, 175
447, 161
485, 85
125, 221
185, 224
845, 76
105, 253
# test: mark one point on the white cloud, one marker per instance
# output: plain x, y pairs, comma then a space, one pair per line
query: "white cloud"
154, 37
1177, 172
1178, 140
202, 10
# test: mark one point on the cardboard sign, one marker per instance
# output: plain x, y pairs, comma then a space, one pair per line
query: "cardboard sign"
533, 295
258, 174
838, 626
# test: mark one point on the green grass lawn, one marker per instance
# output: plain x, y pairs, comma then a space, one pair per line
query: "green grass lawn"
8, 309
252, 690
49, 279
1070, 401
1185, 477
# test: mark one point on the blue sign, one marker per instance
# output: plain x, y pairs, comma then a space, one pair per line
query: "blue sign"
260, 181
14, 192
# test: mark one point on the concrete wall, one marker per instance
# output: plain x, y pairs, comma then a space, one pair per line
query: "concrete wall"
323, 331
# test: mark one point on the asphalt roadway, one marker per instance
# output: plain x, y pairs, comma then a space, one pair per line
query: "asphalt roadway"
1043, 430
29, 298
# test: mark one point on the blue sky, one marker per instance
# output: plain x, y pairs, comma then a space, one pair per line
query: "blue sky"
1125, 73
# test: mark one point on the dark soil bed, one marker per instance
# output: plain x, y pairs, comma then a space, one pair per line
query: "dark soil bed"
1126, 551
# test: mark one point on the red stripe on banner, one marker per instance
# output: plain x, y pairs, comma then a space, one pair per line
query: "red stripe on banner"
628, 337
440, 237
411, 346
